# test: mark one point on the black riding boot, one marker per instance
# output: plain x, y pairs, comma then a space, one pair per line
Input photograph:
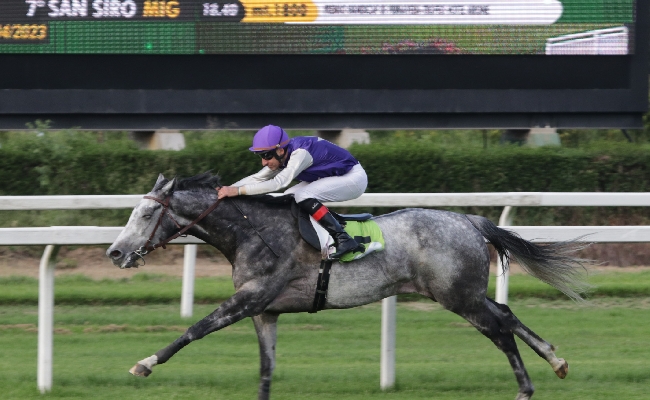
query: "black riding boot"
342, 241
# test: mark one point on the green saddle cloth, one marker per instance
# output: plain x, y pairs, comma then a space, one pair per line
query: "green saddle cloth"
366, 233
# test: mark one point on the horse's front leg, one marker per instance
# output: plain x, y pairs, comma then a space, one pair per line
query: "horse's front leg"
241, 305
266, 327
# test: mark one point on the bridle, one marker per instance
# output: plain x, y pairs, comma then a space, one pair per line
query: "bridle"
149, 246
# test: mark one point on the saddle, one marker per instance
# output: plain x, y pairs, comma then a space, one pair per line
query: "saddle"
307, 230
359, 226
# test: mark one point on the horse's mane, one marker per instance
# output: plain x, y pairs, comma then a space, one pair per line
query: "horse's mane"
209, 181
205, 180
202, 181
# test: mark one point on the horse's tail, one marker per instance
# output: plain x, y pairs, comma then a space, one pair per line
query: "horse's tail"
552, 263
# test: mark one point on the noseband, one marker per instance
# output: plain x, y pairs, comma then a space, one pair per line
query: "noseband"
148, 247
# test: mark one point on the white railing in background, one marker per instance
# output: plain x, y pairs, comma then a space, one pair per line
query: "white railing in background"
54, 237
609, 41
517, 199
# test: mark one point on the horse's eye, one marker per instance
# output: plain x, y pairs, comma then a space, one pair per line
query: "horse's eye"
148, 216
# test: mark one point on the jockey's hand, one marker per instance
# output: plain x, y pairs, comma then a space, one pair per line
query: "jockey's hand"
228, 191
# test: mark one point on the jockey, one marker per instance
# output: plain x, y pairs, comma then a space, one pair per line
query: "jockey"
326, 172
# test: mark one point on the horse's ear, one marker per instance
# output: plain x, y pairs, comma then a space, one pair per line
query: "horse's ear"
160, 179
168, 188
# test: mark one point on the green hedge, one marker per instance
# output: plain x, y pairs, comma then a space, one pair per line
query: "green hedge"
413, 167
73, 163
42, 166
57, 164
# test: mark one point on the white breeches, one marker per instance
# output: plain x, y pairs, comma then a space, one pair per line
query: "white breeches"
333, 188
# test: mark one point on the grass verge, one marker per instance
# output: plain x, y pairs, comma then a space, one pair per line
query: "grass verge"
140, 289
160, 289
330, 355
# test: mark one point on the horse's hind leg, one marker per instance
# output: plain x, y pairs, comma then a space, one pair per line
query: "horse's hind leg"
266, 328
539, 345
489, 325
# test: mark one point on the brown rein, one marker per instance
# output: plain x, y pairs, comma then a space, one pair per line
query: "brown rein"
149, 247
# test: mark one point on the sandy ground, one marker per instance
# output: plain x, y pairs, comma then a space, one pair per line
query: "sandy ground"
92, 262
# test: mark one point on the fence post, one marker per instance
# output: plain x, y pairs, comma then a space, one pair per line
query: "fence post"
187, 294
387, 359
46, 318
501, 295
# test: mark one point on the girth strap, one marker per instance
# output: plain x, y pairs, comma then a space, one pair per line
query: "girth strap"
322, 285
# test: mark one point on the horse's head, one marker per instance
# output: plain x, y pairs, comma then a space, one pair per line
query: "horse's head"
147, 226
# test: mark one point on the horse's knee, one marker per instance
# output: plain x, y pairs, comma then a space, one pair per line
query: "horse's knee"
503, 307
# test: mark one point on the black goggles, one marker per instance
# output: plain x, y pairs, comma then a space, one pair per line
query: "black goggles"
267, 155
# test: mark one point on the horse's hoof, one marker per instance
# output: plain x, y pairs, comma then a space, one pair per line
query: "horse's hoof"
140, 370
563, 369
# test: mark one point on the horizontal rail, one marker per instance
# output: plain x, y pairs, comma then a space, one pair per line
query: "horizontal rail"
96, 235
518, 199
622, 30
69, 202
69, 235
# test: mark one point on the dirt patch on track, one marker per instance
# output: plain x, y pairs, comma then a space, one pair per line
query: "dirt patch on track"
92, 262
516, 269
639, 303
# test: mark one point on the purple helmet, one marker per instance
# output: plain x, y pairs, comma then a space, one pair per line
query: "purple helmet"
268, 138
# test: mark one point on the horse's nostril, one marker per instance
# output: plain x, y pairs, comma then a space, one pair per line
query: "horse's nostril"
115, 254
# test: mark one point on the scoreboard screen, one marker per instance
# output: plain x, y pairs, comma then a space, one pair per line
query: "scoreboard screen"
324, 64
342, 27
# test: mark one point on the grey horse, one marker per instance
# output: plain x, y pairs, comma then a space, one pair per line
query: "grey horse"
440, 255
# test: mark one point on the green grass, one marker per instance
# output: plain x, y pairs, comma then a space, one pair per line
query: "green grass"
141, 289
330, 355
619, 284
149, 288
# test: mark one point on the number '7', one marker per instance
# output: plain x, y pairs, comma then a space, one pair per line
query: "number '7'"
33, 4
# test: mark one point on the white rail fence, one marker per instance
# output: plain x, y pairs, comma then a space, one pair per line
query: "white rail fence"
610, 41
54, 237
